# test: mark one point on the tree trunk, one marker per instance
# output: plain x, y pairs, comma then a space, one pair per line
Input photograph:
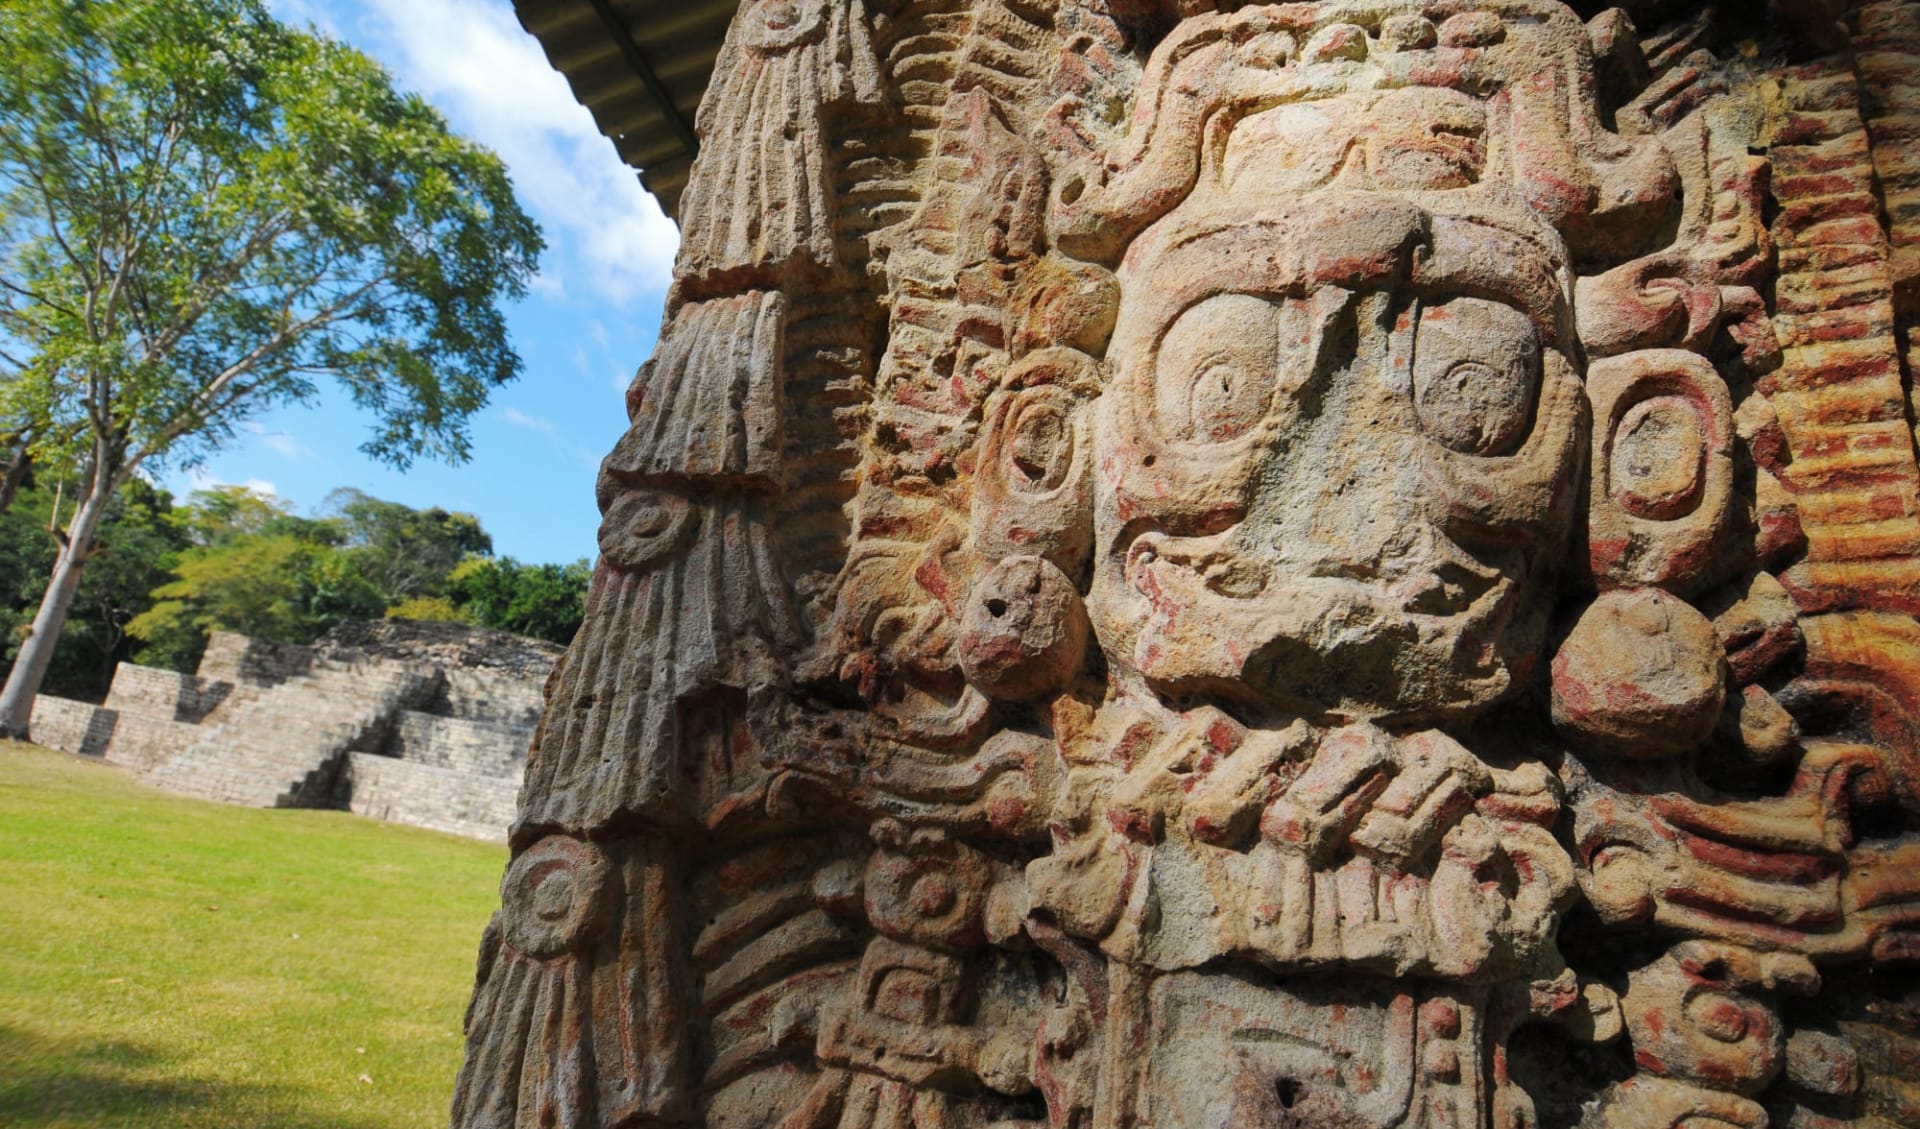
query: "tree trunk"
14, 477
36, 651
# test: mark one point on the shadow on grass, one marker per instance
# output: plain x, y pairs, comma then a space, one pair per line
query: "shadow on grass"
49, 1081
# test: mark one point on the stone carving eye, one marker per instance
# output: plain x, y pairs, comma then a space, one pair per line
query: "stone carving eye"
1658, 466
1476, 364
1040, 446
1217, 367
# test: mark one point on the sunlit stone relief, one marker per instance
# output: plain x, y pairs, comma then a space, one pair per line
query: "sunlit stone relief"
1340, 564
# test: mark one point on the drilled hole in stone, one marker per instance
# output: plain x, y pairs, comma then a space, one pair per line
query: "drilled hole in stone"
996, 608
1288, 1091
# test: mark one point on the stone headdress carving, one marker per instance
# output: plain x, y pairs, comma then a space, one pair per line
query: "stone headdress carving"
1182, 565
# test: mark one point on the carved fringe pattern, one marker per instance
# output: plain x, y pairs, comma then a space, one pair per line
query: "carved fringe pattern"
952, 275
934, 52
947, 336
952, 280
759, 196
699, 612
1843, 399
829, 350
586, 1039
926, 52
710, 402
1839, 392
930, 51
1887, 59
878, 185
612, 739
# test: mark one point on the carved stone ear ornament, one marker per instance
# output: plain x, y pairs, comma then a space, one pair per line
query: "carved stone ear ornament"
555, 897
579, 1011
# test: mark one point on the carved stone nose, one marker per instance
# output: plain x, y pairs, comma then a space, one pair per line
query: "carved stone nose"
1351, 499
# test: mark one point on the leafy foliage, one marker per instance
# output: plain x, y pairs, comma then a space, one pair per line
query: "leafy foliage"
201, 210
544, 600
270, 583
406, 553
138, 537
233, 559
252, 566
433, 608
203, 213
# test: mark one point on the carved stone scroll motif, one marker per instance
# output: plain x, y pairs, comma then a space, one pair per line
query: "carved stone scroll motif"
1188, 565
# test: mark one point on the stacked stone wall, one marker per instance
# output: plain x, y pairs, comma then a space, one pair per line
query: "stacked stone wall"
481, 747
143, 743
81, 728
436, 716
443, 799
285, 748
241, 659
166, 695
506, 698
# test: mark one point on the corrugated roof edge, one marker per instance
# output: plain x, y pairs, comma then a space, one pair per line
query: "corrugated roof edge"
641, 67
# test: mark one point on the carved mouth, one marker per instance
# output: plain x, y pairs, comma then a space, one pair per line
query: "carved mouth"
1198, 570
1332, 635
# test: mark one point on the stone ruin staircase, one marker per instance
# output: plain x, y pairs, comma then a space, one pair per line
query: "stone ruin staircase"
286, 747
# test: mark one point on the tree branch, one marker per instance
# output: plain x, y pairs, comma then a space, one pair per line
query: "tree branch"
207, 402
19, 469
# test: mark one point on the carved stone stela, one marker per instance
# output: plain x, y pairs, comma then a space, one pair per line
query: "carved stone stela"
1343, 564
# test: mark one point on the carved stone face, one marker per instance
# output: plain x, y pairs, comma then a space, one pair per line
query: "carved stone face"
1336, 460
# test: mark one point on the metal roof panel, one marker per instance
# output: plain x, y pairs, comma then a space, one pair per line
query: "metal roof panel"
641, 67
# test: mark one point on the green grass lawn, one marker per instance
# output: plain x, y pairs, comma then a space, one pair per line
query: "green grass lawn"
166, 962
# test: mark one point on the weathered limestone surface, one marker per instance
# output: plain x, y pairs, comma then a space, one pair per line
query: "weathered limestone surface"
1191, 564
417, 723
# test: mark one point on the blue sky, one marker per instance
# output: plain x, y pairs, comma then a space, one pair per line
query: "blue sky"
589, 321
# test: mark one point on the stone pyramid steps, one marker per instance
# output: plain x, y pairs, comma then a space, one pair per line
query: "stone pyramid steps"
285, 748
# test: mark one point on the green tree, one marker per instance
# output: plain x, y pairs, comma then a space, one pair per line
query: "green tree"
406, 553
16, 466
204, 213
271, 586
544, 601
437, 608
224, 513
254, 567
251, 565
137, 539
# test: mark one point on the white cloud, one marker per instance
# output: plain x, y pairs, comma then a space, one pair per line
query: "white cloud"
518, 418
472, 59
200, 478
622, 381
281, 443
598, 332
286, 446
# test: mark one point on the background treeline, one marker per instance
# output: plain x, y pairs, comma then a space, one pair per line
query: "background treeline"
230, 558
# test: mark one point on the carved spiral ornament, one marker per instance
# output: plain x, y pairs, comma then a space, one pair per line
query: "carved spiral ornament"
554, 897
